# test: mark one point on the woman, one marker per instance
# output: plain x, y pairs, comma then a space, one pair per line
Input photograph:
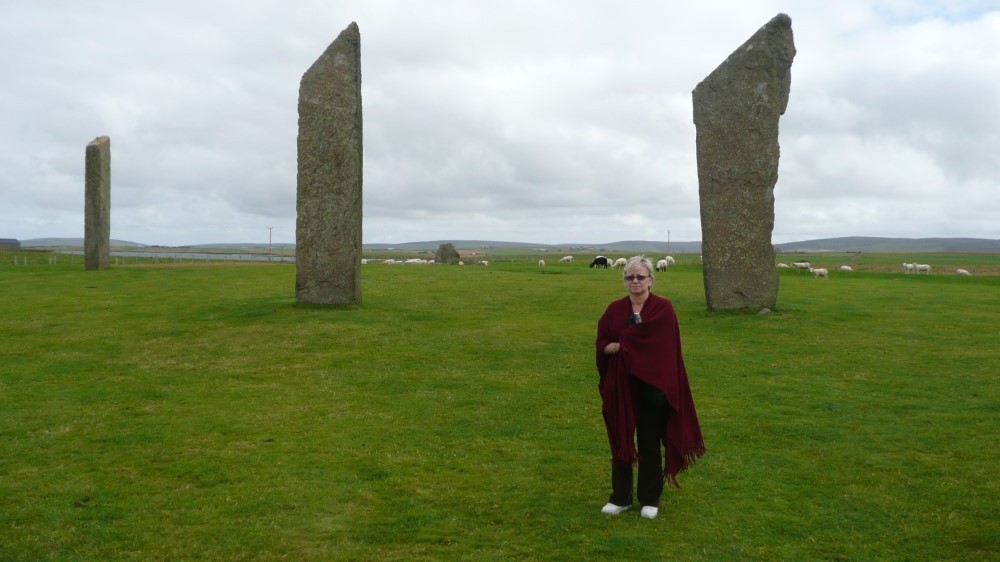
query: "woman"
644, 393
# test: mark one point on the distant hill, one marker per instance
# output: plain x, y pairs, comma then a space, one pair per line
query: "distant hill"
846, 244
70, 243
246, 246
891, 245
868, 244
627, 245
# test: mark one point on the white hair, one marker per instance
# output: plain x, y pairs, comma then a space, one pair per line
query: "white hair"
635, 262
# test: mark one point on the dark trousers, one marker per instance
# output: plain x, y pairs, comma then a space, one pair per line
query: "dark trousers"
651, 414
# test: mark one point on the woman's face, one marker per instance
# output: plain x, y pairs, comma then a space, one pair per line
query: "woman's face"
634, 284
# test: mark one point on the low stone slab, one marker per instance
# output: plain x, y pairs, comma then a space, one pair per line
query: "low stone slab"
446, 253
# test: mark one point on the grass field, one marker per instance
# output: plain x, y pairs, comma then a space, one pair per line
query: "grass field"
188, 412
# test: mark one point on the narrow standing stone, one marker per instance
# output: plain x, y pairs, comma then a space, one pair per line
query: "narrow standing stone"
736, 112
328, 224
97, 205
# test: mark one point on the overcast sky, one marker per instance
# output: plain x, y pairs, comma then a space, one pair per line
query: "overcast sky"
566, 121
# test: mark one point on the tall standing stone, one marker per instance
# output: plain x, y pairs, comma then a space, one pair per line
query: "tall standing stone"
97, 205
736, 112
328, 224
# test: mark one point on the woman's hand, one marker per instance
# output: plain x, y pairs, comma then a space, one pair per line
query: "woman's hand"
612, 348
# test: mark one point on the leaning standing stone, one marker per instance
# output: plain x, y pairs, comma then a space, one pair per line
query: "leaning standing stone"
736, 112
328, 224
97, 205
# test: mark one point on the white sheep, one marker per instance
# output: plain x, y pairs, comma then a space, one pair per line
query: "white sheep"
802, 265
846, 268
820, 272
566, 259
962, 272
782, 265
484, 262
541, 263
669, 259
909, 268
662, 265
922, 267
620, 262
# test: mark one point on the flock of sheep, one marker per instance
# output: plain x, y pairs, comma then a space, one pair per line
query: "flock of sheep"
818, 272
605, 262
390, 261
662, 265
915, 268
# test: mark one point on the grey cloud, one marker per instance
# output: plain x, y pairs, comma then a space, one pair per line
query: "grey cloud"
553, 122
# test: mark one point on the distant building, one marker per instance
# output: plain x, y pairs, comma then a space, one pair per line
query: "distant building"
9, 245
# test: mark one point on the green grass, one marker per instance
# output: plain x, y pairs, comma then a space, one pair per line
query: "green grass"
193, 412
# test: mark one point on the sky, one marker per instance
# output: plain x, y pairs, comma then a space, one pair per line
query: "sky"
541, 121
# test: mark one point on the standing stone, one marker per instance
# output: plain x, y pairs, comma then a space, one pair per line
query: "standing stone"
447, 253
97, 205
736, 112
328, 224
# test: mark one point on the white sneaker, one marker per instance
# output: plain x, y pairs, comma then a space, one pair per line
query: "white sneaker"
649, 512
612, 509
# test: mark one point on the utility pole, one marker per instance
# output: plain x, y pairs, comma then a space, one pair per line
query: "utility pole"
668, 241
269, 229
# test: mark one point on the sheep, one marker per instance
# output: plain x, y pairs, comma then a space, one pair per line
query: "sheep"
600, 261
922, 267
662, 265
566, 259
962, 272
670, 260
909, 268
620, 262
801, 265
484, 262
782, 265
819, 272
846, 268
541, 263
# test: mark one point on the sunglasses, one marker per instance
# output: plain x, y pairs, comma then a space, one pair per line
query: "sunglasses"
636, 277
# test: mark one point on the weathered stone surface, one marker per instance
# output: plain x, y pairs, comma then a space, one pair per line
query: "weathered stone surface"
446, 253
328, 223
736, 112
97, 204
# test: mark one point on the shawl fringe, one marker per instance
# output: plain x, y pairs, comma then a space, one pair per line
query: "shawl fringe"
688, 460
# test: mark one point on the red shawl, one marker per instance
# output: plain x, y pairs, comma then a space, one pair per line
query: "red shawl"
651, 352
